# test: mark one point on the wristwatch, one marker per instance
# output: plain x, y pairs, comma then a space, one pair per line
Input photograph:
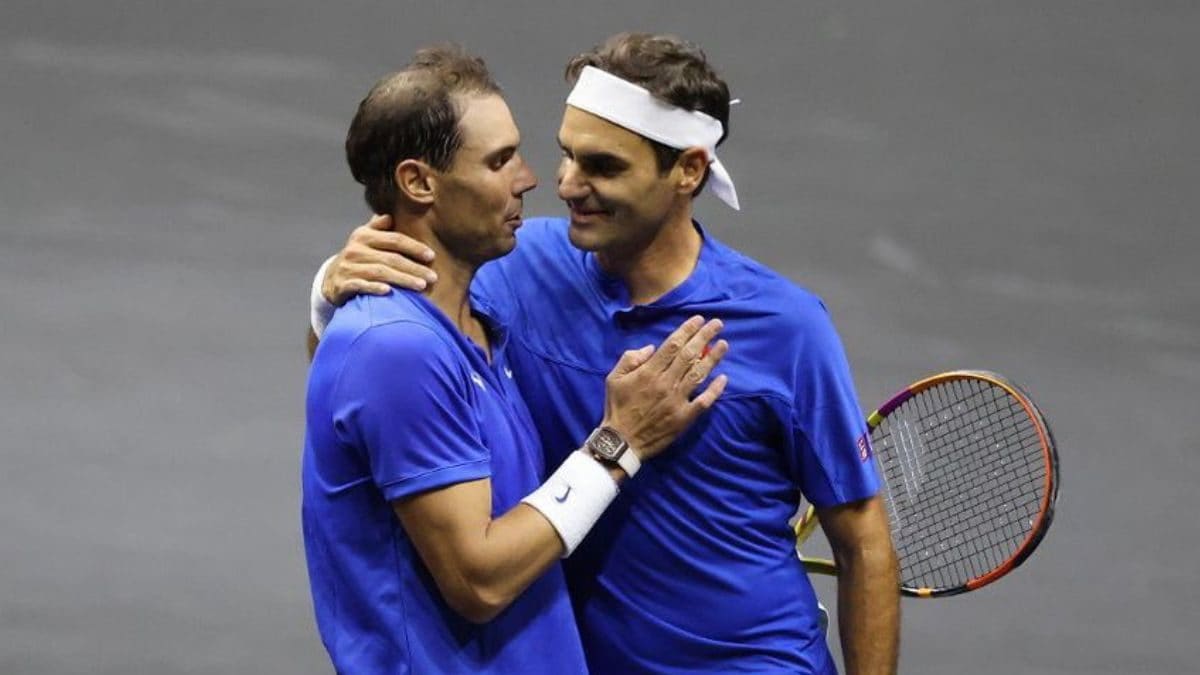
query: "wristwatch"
607, 446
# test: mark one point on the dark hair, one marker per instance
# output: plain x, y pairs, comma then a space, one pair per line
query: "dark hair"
412, 114
670, 68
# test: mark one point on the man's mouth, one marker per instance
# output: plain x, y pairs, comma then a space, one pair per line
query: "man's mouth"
584, 210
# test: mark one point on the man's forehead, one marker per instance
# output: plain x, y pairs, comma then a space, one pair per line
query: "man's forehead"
595, 132
487, 106
485, 121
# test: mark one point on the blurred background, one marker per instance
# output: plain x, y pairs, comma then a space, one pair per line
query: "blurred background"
1006, 185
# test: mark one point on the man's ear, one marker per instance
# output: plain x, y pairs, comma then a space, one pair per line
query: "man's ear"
692, 164
415, 181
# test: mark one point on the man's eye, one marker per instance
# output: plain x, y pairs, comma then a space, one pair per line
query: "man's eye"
502, 159
602, 168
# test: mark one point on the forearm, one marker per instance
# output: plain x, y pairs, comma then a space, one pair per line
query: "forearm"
548, 524
515, 550
869, 610
480, 567
482, 564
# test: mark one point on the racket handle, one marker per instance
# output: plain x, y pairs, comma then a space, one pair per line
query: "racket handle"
819, 566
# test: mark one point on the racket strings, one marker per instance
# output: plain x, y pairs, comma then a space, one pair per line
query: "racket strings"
963, 471
936, 542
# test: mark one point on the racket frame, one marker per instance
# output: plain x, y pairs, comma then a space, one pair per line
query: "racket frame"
807, 522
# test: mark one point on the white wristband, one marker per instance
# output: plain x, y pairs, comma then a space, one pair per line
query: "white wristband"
321, 310
573, 497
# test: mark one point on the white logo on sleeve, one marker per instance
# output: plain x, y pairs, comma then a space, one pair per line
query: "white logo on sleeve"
478, 379
508, 372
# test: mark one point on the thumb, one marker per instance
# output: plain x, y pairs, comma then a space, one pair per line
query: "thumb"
632, 359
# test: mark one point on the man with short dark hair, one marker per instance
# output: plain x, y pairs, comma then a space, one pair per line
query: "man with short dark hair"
694, 568
430, 545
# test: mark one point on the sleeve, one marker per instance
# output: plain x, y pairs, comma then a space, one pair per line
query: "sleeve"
829, 435
403, 398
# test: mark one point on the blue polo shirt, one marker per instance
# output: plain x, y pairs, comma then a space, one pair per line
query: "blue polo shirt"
400, 402
693, 568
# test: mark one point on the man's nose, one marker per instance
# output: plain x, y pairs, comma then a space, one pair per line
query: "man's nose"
570, 183
526, 180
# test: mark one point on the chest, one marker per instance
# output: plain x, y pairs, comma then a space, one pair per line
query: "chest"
505, 427
563, 383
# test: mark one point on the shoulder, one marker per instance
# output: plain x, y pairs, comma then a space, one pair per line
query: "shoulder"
540, 240
542, 259
544, 233
759, 289
389, 331
783, 337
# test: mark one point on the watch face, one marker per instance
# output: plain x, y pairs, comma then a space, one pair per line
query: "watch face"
607, 444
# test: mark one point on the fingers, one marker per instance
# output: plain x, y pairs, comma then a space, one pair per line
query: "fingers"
702, 368
376, 258
675, 343
648, 394
347, 279
371, 237
353, 287
708, 397
377, 279
375, 265
631, 360
383, 257
693, 352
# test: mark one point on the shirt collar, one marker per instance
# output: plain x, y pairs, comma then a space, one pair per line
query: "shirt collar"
699, 286
485, 312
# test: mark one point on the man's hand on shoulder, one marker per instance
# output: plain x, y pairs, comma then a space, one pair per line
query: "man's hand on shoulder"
374, 259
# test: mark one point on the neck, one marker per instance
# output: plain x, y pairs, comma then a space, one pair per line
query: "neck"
651, 269
451, 293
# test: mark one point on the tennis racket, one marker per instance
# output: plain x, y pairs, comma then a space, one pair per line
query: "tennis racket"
970, 478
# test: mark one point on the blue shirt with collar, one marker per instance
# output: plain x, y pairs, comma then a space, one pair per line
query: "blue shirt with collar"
400, 402
693, 568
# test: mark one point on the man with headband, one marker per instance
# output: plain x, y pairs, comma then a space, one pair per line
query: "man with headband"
693, 567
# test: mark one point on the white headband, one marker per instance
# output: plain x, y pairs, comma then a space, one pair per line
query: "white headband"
625, 104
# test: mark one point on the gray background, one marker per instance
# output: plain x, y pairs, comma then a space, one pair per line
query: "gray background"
1005, 184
